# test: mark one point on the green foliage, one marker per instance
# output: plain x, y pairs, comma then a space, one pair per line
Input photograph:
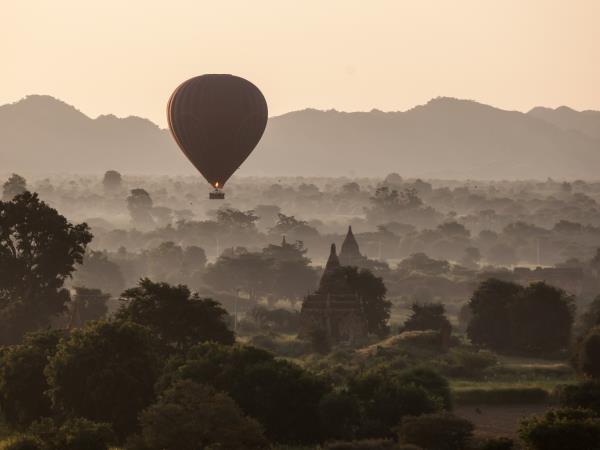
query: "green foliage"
436, 385
501, 396
105, 372
573, 429
436, 431
22, 381
340, 415
189, 416
177, 317
283, 397
385, 400
490, 321
468, 363
587, 354
363, 444
38, 251
536, 320
74, 434
428, 316
500, 443
24, 442
584, 395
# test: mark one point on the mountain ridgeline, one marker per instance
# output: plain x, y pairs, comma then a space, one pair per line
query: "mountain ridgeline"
445, 138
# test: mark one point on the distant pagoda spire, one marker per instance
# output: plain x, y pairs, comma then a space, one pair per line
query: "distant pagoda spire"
350, 251
332, 262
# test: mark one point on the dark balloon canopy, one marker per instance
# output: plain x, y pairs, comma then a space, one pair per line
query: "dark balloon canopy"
217, 120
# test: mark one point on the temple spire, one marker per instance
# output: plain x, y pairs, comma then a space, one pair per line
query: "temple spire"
350, 253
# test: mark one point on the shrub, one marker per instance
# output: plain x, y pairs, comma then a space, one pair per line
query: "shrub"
585, 395
74, 434
501, 396
386, 400
587, 354
572, 429
436, 431
105, 372
22, 381
501, 443
282, 396
468, 363
364, 444
24, 442
435, 384
189, 414
339, 413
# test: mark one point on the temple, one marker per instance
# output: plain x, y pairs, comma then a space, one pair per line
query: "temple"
350, 254
334, 307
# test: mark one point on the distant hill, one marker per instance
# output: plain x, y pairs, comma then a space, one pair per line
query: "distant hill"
586, 122
445, 138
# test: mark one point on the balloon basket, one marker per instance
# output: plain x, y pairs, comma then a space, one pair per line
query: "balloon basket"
216, 195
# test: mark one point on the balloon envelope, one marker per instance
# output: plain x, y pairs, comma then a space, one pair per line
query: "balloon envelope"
217, 120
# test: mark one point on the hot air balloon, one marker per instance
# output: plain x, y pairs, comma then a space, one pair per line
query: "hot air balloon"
217, 120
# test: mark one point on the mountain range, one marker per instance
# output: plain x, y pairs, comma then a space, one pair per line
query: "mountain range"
445, 138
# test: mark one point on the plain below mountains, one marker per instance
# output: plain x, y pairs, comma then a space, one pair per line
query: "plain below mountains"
445, 138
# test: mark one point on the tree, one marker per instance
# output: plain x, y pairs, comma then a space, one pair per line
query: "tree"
490, 319
541, 319
244, 271
385, 399
139, 204
88, 304
104, 372
22, 381
291, 227
233, 219
38, 251
99, 272
340, 415
283, 397
429, 316
371, 291
189, 416
14, 186
178, 317
591, 317
72, 434
112, 181
573, 429
587, 354
508, 317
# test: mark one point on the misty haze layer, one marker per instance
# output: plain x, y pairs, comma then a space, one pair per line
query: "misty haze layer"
446, 138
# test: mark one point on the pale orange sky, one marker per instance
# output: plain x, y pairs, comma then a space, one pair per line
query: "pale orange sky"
126, 56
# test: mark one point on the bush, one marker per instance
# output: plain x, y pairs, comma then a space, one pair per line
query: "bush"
435, 384
282, 396
386, 400
188, 414
585, 395
22, 381
74, 434
500, 443
587, 354
572, 429
501, 396
436, 431
339, 413
24, 442
105, 372
364, 444
469, 363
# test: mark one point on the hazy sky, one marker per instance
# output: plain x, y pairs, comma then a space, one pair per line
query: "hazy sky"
126, 56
